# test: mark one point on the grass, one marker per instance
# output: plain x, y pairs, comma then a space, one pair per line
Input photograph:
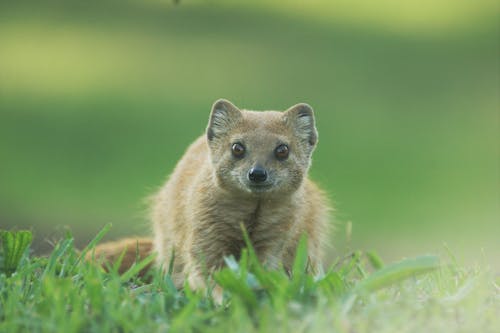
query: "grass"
357, 294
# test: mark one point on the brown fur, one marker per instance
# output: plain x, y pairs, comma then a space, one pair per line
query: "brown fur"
132, 249
198, 213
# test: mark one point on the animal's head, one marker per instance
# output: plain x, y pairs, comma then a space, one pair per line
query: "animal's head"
261, 152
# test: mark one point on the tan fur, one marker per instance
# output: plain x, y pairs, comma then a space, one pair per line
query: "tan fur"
198, 213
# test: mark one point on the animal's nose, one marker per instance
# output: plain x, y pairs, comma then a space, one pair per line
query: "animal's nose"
257, 174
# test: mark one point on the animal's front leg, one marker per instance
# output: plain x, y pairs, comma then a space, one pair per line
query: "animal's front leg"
198, 281
206, 257
269, 242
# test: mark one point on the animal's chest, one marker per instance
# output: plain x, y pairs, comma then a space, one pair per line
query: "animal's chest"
226, 219
263, 222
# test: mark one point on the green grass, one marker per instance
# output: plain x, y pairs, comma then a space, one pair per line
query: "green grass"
357, 294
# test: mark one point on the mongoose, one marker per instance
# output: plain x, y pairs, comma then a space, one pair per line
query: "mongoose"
249, 169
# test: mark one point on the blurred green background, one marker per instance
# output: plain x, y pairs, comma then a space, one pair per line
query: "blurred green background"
99, 99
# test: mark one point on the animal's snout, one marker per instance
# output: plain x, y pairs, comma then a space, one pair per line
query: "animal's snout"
257, 174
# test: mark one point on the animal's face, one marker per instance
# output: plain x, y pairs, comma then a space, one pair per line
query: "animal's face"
261, 152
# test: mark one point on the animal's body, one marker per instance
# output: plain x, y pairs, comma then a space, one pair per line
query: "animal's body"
249, 169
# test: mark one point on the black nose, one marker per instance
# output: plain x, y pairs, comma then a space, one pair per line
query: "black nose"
257, 174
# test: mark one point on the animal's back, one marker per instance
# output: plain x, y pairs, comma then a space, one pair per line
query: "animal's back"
171, 206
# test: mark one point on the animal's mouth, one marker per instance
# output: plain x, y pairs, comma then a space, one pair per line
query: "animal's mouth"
262, 187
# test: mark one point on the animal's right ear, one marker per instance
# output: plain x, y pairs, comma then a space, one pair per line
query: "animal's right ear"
223, 117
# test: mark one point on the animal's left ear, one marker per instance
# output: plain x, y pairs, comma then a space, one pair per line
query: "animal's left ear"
301, 118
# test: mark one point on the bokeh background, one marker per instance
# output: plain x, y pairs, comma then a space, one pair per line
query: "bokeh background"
99, 99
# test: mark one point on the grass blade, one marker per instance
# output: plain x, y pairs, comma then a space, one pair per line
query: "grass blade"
136, 268
375, 260
397, 272
14, 245
93, 243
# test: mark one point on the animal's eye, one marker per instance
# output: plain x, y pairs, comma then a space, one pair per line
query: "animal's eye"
281, 152
238, 150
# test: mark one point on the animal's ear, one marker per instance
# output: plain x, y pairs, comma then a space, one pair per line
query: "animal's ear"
223, 116
301, 118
